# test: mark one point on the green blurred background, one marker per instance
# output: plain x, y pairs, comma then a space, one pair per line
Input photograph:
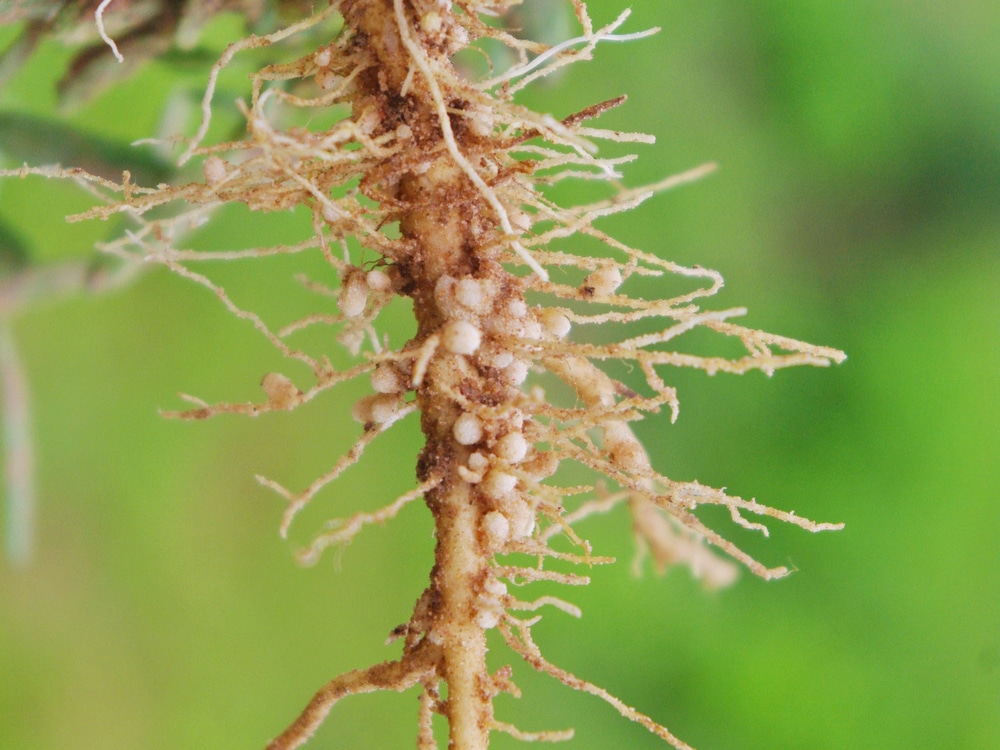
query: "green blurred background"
857, 205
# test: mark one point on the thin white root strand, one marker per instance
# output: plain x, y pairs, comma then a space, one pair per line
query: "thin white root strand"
552, 735
99, 20
526, 647
249, 42
590, 40
297, 502
449, 138
561, 604
345, 530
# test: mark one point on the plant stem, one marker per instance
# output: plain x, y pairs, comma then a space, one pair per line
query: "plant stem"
459, 571
440, 232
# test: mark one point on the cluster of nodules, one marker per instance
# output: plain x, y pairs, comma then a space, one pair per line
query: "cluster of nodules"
362, 294
488, 317
390, 379
488, 322
357, 286
486, 334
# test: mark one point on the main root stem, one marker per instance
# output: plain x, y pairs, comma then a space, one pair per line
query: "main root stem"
442, 181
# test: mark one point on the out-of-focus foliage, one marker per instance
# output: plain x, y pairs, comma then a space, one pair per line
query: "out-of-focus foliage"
856, 206
141, 30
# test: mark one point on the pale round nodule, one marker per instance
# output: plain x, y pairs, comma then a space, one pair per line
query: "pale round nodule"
353, 296
378, 408
522, 519
604, 281
493, 357
495, 588
499, 484
480, 121
431, 22
327, 79
517, 308
555, 323
519, 220
384, 408
443, 288
496, 527
322, 58
478, 462
531, 329
387, 379
542, 465
470, 294
516, 372
379, 281
331, 214
512, 447
281, 392
468, 430
488, 618
215, 170
460, 337
629, 455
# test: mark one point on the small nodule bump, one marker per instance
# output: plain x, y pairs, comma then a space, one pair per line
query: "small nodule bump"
516, 372
499, 484
496, 527
386, 378
470, 294
281, 391
468, 430
512, 447
377, 408
478, 462
215, 170
353, 295
603, 282
322, 58
555, 323
379, 281
460, 337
